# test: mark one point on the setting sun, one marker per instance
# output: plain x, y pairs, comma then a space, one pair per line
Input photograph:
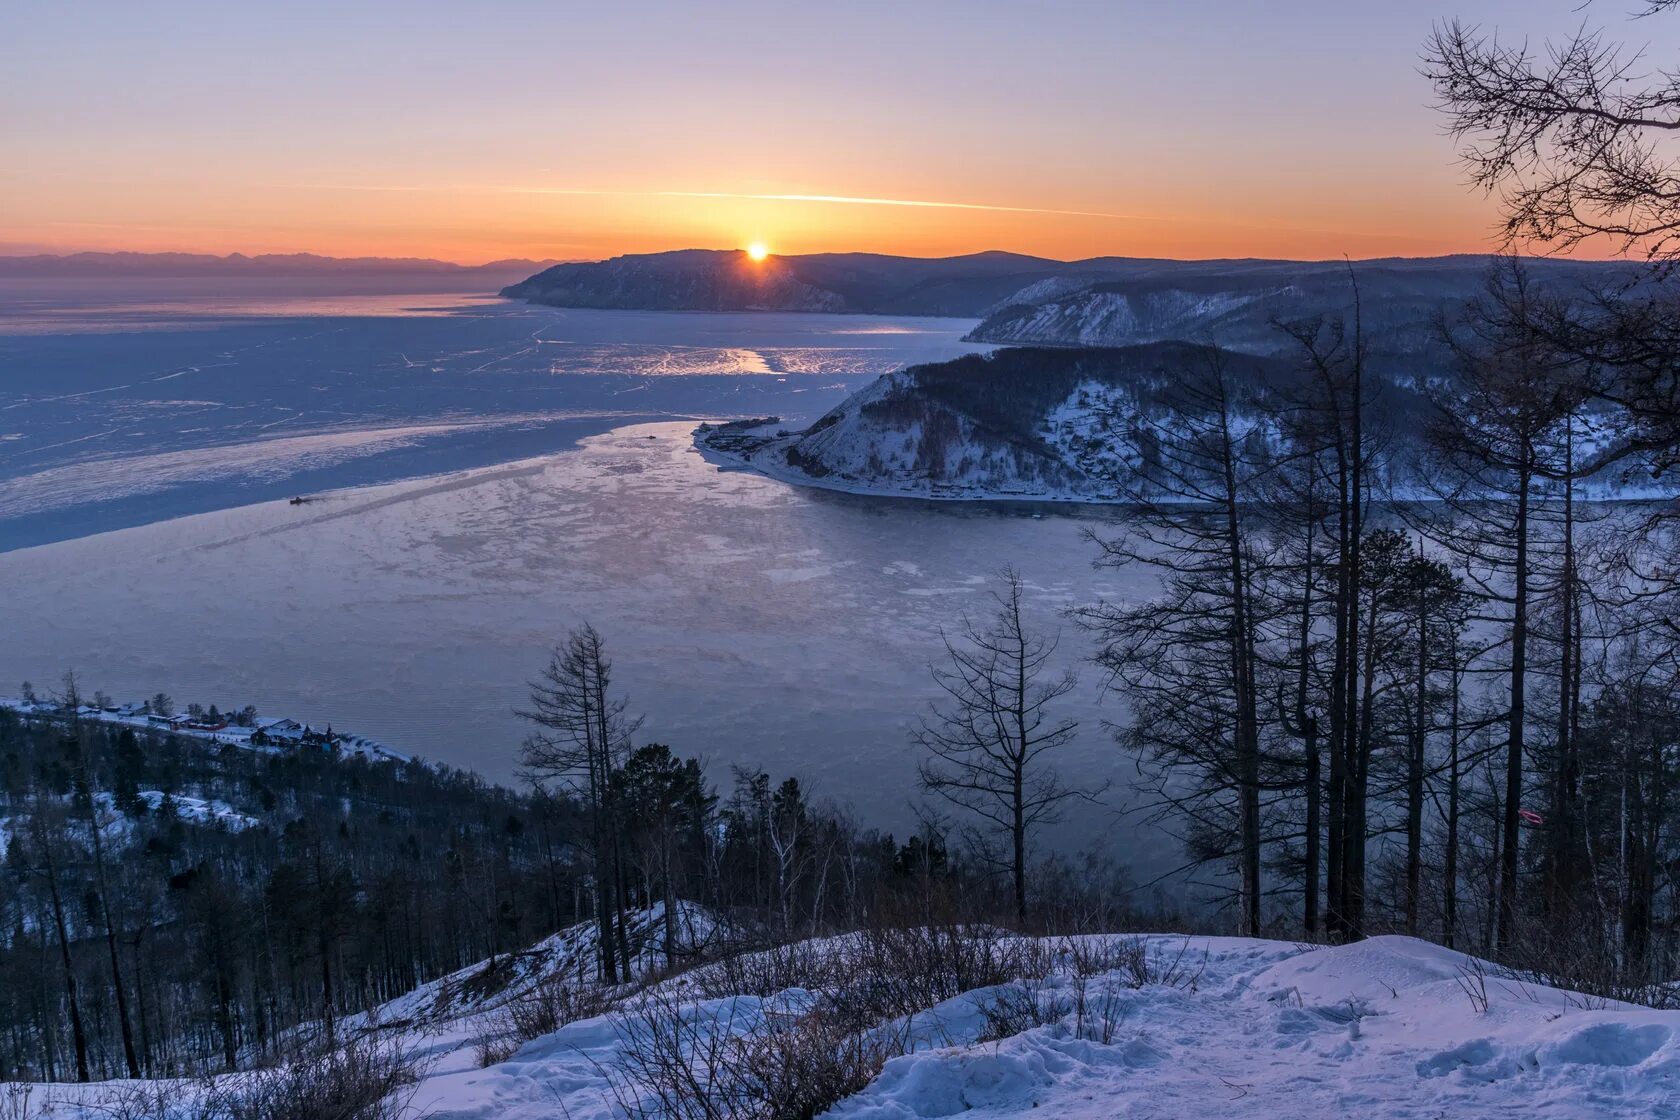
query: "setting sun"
758, 250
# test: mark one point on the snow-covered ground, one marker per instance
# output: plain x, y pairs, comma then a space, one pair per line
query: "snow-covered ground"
567, 956
1387, 1029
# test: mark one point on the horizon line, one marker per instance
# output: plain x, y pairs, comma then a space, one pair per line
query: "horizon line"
66, 253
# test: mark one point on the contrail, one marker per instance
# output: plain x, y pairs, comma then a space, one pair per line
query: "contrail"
852, 200
836, 199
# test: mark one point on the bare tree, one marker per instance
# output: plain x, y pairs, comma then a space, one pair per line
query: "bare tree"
48, 834
1581, 141
1494, 447
1186, 661
97, 817
584, 739
1575, 136
989, 736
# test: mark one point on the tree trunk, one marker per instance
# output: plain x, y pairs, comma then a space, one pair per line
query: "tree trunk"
1509, 856
1309, 919
118, 987
78, 1035
1414, 778
670, 905
1449, 872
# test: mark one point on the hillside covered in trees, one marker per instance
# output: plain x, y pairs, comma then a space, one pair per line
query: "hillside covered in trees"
173, 906
1028, 422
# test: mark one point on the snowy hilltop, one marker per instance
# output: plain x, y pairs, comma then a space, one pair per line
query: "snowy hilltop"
1025, 424
1238, 303
1075, 424
239, 729
902, 1024
1160, 1026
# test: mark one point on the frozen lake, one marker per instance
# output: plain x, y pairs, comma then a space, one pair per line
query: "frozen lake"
753, 622
118, 411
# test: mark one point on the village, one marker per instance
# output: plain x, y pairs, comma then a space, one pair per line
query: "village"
241, 728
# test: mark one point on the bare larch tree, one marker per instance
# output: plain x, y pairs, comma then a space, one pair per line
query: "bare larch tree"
989, 736
582, 741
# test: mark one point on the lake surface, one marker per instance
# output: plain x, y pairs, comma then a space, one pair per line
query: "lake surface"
480, 485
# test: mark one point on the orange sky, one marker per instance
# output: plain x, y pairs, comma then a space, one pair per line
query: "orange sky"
471, 223
1139, 127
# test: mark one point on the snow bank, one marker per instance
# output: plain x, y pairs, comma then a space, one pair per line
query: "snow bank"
1387, 1029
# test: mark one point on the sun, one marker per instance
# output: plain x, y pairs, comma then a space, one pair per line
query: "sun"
758, 250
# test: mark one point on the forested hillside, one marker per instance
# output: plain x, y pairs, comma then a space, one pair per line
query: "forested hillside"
1029, 422
174, 906
1237, 305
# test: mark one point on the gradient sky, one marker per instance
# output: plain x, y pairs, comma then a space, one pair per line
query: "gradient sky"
549, 129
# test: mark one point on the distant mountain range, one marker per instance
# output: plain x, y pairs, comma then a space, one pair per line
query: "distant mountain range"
267, 265
1019, 300
1022, 300
720, 280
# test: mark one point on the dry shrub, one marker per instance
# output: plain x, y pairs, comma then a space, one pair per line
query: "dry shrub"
16, 1103
787, 1062
1097, 971
829, 1015
1136, 963
544, 1008
912, 969
368, 1079
1021, 1006
1579, 955
1097, 1013
766, 971
794, 1057
363, 1081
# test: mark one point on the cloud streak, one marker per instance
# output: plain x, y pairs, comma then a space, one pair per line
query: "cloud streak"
853, 200
821, 199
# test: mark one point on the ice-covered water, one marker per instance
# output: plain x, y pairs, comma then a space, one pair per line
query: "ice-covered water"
755, 623
141, 408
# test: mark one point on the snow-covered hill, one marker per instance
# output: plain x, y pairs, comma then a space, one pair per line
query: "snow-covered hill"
1386, 1029
1026, 424
1160, 1026
1059, 425
1106, 316
1236, 304
568, 956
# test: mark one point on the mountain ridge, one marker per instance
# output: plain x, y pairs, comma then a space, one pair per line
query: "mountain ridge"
129, 263
998, 287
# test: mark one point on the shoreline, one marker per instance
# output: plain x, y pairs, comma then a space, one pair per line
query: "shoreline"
749, 459
749, 452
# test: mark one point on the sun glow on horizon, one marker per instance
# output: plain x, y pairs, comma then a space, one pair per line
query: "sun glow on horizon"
758, 250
